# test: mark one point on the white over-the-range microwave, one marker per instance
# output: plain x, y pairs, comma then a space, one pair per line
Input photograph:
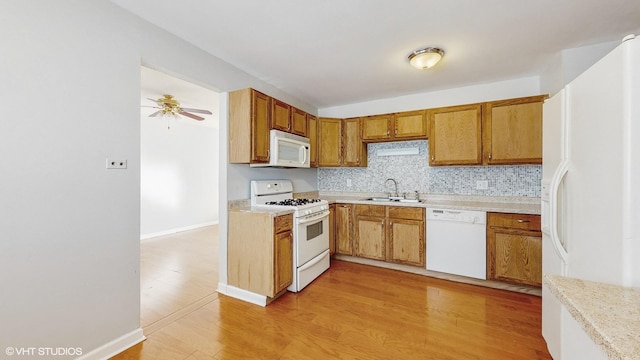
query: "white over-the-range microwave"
287, 150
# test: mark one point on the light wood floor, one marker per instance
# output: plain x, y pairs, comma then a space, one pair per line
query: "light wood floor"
353, 311
177, 271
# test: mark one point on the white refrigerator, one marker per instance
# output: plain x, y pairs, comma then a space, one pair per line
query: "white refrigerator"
591, 181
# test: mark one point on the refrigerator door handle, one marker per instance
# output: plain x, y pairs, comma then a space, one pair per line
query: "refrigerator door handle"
556, 181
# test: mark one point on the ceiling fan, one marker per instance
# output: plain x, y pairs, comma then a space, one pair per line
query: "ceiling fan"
170, 106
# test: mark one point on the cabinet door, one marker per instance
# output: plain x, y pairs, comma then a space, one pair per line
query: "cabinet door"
298, 122
343, 229
376, 128
329, 142
455, 135
410, 125
332, 229
406, 242
354, 150
260, 124
280, 115
370, 237
515, 256
283, 261
312, 133
513, 131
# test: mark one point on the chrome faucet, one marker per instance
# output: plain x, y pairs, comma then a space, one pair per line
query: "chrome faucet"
395, 183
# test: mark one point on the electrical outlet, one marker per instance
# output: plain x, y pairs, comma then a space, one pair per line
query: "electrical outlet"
482, 184
116, 164
349, 182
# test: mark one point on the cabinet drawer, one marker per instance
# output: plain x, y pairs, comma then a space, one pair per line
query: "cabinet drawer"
514, 221
283, 223
411, 213
370, 210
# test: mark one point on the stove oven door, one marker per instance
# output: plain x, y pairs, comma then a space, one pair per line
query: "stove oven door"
311, 237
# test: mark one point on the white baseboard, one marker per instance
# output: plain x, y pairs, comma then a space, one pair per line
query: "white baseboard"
242, 294
176, 230
115, 347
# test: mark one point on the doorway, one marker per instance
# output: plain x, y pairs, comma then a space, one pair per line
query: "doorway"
179, 170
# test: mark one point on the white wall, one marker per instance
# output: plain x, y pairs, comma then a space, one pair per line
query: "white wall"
178, 176
69, 254
570, 63
458, 96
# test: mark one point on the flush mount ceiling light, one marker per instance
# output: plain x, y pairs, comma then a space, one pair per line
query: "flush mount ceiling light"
425, 58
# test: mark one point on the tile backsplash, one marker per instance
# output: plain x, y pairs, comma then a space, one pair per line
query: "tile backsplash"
412, 172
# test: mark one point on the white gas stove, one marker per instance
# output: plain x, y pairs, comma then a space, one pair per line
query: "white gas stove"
310, 230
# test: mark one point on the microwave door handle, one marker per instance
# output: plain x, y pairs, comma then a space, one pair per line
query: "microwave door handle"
304, 154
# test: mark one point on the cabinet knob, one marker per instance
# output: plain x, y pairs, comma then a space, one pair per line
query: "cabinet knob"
522, 221
388, 132
433, 158
489, 156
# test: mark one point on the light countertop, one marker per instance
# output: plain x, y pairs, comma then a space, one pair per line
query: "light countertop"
609, 314
518, 205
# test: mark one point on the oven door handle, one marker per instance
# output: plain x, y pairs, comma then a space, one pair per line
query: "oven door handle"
314, 218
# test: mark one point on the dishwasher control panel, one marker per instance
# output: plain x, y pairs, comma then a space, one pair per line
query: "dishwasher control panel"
466, 216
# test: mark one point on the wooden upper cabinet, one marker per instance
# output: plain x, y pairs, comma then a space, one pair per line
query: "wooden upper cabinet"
280, 115
249, 124
377, 127
354, 150
299, 122
329, 142
312, 133
513, 131
455, 135
340, 144
410, 125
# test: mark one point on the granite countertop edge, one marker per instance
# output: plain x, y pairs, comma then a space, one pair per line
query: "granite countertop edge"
590, 304
518, 205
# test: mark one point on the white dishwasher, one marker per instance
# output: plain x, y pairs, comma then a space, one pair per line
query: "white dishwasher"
456, 242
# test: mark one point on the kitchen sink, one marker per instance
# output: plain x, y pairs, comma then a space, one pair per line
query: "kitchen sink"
381, 199
386, 199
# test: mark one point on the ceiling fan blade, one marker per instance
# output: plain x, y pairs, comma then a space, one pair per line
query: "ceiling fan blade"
154, 100
195, 117
199, 111
155, 113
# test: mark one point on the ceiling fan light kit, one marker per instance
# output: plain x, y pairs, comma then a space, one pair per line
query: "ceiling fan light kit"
425, 58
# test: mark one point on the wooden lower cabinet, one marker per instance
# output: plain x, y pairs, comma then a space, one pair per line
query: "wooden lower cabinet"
370, 236
260, 256
390, 233
514, 248
332, 229
344, 244
406, 235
